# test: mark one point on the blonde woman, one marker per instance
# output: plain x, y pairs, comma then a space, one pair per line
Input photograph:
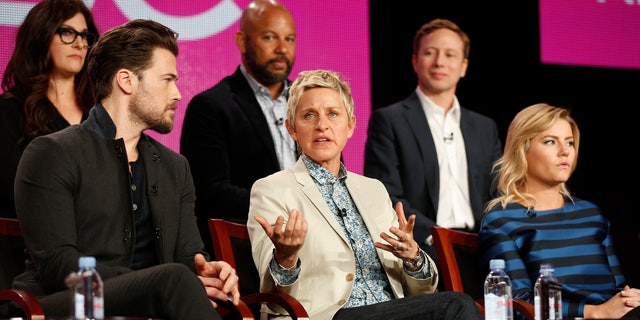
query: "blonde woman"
536, 220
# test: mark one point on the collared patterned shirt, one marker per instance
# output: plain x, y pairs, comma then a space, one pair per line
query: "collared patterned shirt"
371, 284
275, 111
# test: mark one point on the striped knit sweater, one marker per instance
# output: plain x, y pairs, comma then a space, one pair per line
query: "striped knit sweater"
575, 239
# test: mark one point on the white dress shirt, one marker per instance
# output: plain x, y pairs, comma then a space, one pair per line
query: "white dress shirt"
454, 208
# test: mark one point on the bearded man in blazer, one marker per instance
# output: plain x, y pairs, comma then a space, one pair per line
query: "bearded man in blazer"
233, 133
106, 189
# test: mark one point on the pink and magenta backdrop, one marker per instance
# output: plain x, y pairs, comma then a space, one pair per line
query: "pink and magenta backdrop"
331, 34
598, 33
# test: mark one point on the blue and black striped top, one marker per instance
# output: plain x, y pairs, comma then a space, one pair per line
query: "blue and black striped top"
575, 239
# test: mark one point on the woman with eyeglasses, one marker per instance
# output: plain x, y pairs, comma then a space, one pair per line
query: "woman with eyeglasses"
44, 87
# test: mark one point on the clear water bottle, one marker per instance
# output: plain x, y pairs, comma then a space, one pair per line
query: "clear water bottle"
547, 295
498, 299
87, 295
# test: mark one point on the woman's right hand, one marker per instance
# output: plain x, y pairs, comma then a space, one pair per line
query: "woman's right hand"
287, 238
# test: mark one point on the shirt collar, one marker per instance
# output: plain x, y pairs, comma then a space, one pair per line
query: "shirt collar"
259, 88
322, 175
431, 107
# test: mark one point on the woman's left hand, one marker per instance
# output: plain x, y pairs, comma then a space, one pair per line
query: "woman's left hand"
401, 243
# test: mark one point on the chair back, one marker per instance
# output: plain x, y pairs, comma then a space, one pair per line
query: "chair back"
12, 262
12, 251
459, 249
231, 244
459, 259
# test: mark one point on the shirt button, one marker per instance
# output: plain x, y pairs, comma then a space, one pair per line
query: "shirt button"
350, 277
342, 302
133, 187
135, 207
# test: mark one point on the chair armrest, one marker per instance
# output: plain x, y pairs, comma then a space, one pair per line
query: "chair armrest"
480, 305
525, 308
229, 311
27, 302
289, 303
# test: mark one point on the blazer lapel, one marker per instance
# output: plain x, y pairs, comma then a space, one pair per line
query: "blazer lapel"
417, 120
245, 99
473, 137
374, 223
311, 191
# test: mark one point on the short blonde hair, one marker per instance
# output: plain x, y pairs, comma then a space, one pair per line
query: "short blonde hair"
318, 79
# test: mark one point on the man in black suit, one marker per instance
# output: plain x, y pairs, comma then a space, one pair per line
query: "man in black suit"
432, 154
233, 133
108, 190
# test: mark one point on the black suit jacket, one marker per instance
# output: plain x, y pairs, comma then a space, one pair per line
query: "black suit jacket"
226, 138
73, 199
400, 152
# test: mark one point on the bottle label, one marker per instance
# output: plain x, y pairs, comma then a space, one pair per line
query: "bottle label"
497, 308
555, 301
79, 306
98, 307
548, 299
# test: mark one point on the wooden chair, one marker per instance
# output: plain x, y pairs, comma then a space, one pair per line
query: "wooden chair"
14, 302
231, 244
458, 248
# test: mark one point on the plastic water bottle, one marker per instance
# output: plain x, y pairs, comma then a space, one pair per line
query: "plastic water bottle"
498, 300
547, 295
87, 301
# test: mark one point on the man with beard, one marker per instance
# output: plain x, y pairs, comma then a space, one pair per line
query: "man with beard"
234, 133
105, 189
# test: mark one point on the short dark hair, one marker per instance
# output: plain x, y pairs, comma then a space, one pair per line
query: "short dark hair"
437, 24
129, 46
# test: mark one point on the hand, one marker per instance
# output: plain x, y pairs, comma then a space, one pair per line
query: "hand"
287, 238
220, 280
402, 244
616, 307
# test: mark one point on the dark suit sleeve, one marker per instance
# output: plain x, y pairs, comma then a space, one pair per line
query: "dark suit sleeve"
382, 161
46, 205
496, 154
204, 143
10, 111
188, 240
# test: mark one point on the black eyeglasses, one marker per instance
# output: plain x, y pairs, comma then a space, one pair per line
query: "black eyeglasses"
69, 35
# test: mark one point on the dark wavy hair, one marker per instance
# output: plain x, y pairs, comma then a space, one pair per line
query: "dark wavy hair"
27, 74
129, 46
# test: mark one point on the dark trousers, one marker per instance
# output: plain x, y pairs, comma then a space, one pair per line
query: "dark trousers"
436, 306
167, 291
633, 314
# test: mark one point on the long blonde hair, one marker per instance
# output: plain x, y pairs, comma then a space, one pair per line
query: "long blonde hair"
512, 166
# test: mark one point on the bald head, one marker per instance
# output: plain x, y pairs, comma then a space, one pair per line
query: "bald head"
267, 42
258, 10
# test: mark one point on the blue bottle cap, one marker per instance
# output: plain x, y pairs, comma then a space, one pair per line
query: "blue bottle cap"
496, 264
87, 262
